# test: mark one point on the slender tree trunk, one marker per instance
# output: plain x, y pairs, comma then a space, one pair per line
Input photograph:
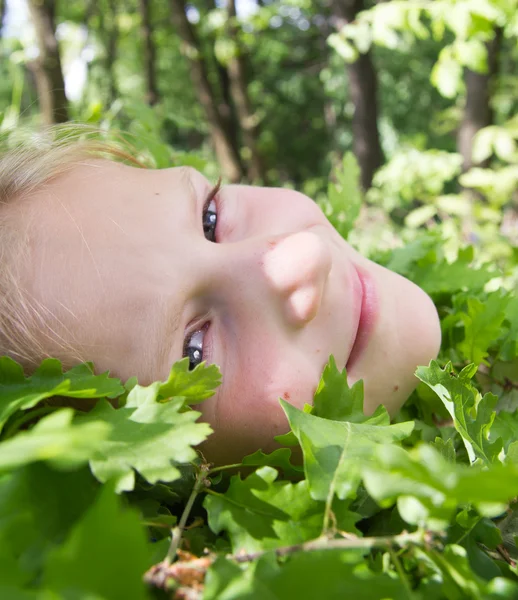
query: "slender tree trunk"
239, 91
477, 109
149, 52
47, 67
363, 88
2, 16
109, 33
225, 152
89, 11
226, 106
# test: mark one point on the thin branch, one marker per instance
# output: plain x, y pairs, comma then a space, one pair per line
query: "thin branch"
468, 531
502, 551
177, 531
401, 573
225, 467
324, 543
29, 416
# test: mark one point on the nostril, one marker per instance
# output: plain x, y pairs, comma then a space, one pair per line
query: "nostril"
304, 303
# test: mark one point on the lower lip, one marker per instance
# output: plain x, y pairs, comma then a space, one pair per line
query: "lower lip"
368, 314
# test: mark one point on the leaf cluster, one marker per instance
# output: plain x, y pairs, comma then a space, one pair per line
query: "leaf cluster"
116, 502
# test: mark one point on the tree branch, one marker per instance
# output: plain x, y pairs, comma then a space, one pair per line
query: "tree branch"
324, 543
179, 529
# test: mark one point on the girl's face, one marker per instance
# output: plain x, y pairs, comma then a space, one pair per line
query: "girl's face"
138, 270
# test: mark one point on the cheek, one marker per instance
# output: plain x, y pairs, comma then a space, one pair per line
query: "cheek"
248, 414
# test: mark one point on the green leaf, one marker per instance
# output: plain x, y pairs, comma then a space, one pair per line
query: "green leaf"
105, 554
483, 144
472, 54
344, 196
279, 458
261, 513
18, 392
420, 262
334, 450
305, 575
194, 386
343, 47
472, 416
508, 349
434, 486
146, 436
512, 453
505, 426
446, 75
459, 581
446, 449
55, 439
404, 260
38, 506
483, 326
445, 278
335, 400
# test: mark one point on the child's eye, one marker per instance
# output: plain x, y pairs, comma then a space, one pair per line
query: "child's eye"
193, 347
210, 215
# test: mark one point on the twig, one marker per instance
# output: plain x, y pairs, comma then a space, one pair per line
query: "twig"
468, 531
179, 529
502, 550
401, 573
224, 468
29, 416
324, 543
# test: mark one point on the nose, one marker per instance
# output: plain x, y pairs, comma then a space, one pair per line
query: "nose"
297, 268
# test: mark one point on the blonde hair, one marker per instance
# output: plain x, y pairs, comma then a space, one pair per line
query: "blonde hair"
30, 163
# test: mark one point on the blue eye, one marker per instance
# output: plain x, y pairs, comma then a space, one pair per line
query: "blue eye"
210, 220
193, 348
210, 214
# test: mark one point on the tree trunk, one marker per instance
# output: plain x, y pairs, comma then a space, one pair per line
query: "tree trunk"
363, 89
109, 34
226, 106
47, 67
225, 152
149, 52
2, 16
238, 89
112, 39
477, 109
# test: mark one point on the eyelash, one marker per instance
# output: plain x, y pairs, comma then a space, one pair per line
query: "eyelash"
212, 195
202, 348
196, 353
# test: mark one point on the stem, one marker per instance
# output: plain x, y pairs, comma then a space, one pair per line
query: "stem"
231, 501
225, 467
401, 573
468, 531
328, 512
324, 543
28, 416
177, 532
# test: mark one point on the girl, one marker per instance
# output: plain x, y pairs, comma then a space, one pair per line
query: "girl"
134, 268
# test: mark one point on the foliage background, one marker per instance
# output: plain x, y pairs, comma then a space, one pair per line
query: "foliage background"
424, 95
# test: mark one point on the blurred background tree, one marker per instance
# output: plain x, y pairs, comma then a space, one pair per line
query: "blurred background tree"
423, 92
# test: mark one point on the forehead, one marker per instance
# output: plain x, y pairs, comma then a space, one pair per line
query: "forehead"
100, 190
104, 260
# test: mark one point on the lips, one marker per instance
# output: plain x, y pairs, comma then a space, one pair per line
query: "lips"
367, 319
